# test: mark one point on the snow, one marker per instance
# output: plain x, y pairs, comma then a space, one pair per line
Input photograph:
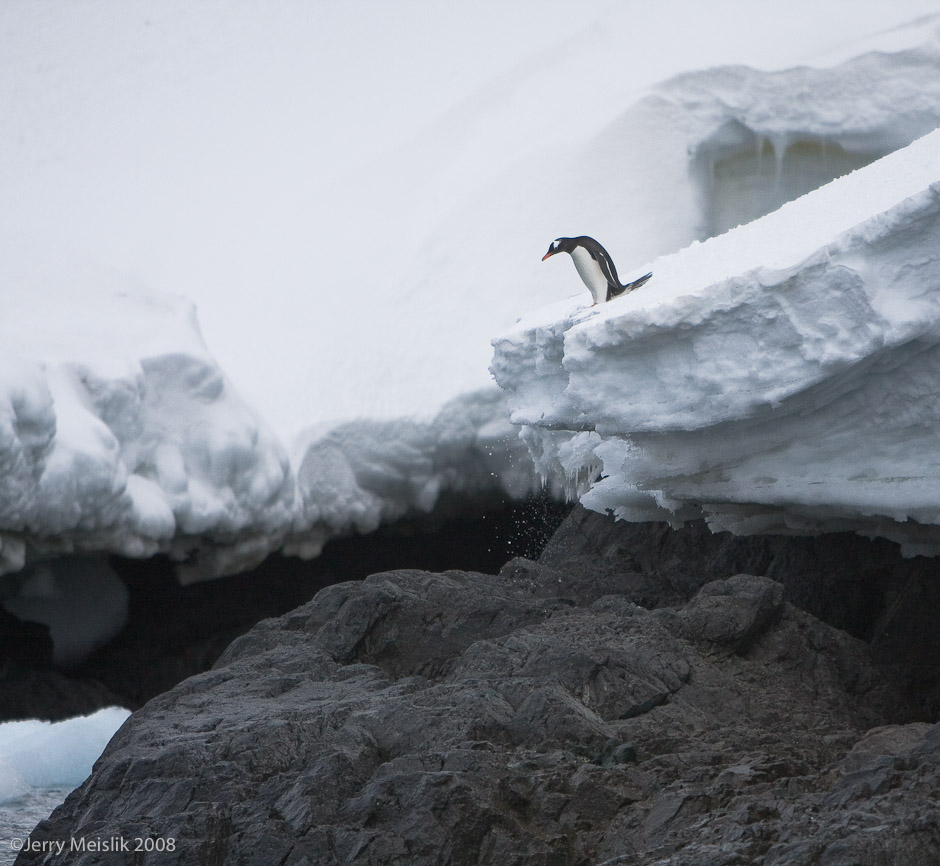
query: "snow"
359, 475
354, 199
781, 377
120, 432
243, 156
252, 257
37, 754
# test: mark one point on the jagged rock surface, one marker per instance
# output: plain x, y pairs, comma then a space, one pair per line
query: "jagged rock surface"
175, 631
555, 715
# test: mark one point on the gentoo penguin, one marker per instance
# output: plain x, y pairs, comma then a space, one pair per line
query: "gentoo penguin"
595, 266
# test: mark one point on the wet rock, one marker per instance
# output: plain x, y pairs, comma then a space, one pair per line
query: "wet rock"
535, 717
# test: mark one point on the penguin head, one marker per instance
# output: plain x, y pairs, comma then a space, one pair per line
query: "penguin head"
559, 245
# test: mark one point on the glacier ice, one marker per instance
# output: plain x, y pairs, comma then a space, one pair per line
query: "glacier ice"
40, 754
781, 377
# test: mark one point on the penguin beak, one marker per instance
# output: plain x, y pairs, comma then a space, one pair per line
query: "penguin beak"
549, 253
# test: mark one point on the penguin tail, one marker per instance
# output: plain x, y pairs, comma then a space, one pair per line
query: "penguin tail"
629, 287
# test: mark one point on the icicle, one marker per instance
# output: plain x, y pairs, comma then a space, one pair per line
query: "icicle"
779, 143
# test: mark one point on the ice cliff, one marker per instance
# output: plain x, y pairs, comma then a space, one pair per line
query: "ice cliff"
780, 377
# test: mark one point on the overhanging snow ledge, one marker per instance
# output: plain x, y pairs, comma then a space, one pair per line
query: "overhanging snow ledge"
782, 377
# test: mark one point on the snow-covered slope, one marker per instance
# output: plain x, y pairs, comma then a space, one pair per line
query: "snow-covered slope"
288, 165
686, 159
353, 241
780, 377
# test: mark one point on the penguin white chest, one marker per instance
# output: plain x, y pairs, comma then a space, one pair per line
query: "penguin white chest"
590, 272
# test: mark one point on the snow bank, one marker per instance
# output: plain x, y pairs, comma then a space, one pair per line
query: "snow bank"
734, 143
781, 377
122, 434
369, 290
647, 167
199, 149
119, 432
35, 754
355, 477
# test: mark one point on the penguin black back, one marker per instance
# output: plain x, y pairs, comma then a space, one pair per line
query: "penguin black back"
595, 266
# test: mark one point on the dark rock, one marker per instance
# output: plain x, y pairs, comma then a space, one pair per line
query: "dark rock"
589, 579
50, 695
176, 631
906, 635
859, 585
733, 612
840, 578
465, 718
23, 644
617, 753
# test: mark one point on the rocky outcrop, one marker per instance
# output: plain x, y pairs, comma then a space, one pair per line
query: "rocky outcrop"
175, 631
548, 716
859, 585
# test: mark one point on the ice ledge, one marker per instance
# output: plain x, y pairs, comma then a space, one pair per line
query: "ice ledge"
120, 433
782, 377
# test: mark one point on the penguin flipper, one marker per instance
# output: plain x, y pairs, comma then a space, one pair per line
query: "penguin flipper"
629, 287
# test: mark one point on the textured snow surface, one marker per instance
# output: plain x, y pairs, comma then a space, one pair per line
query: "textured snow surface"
120, 433
354, 233
285, 165
780, 377
118, 430
357, 476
